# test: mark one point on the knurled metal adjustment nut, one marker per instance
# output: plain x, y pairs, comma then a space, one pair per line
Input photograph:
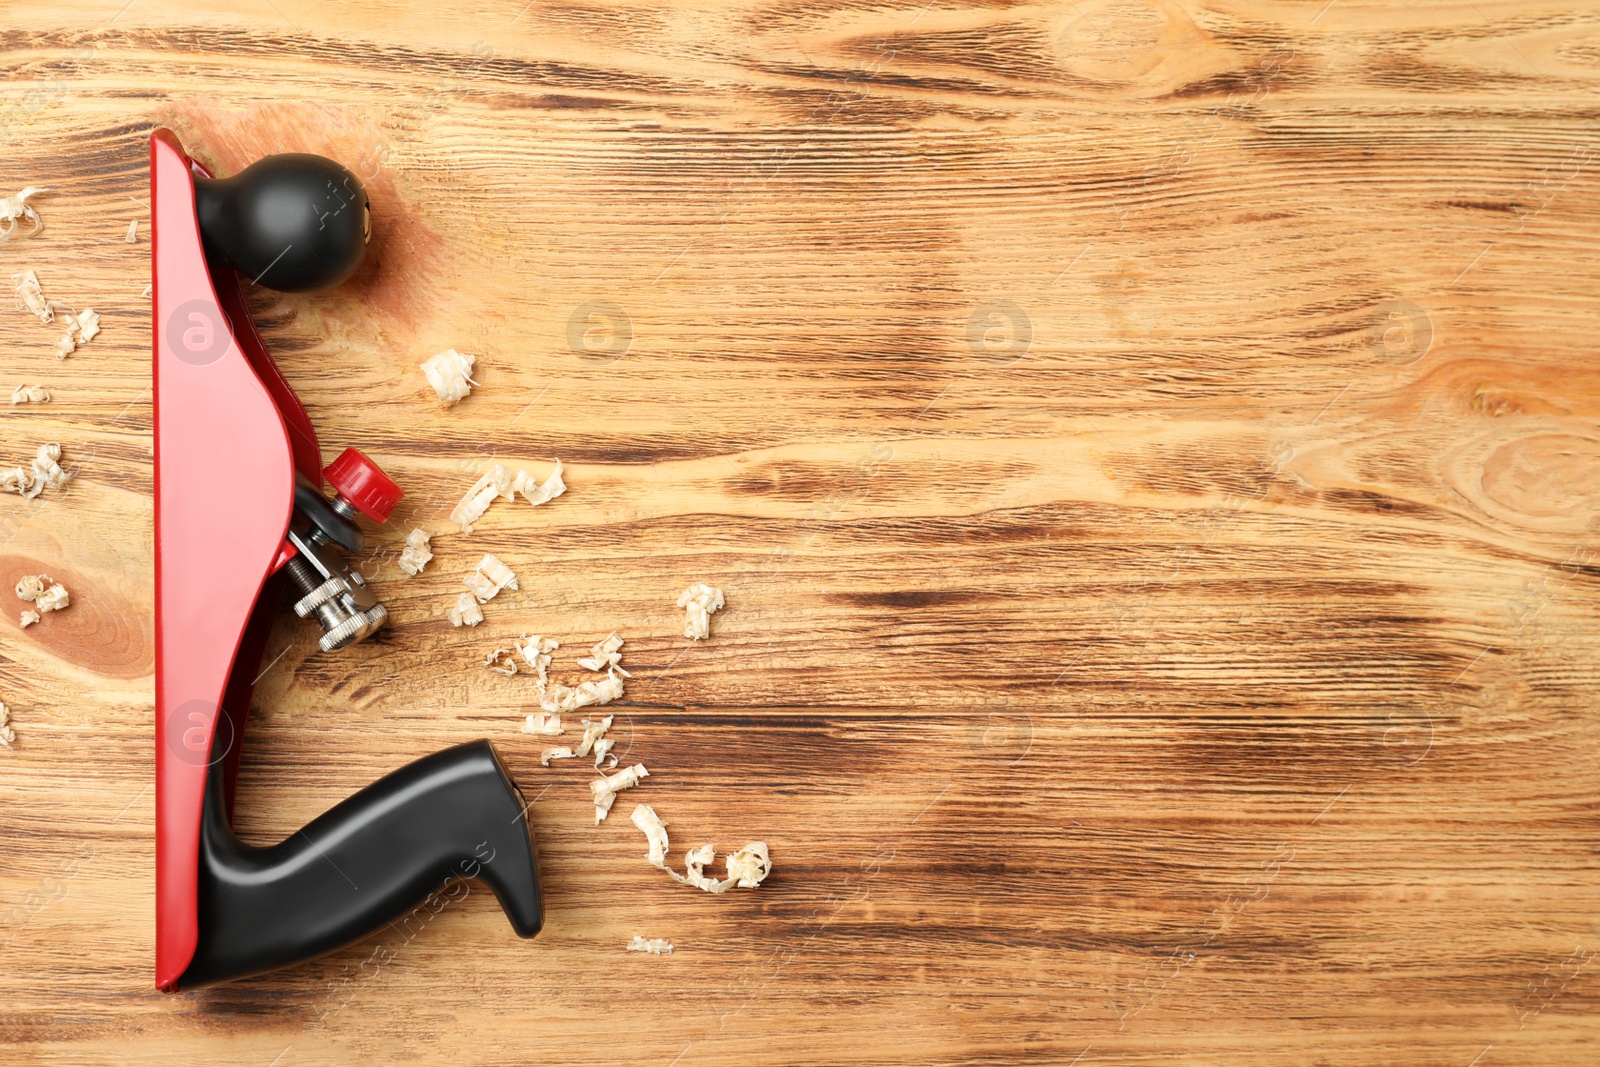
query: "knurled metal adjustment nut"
318, 597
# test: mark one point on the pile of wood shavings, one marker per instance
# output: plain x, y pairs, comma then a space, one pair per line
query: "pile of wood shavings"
656, 946
30, 394
45, 593
747, 868
45, 470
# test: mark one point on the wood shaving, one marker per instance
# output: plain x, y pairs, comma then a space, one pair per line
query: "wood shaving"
7, 735
701, 601
540, 723
31, 586
602, 749
450, 374
535, 653
17, 207
571, 698
655, 832
416, 554
132, 236
593, 731
53, 599
605, 656
47, 467
490, 577
46, 471
536, 492
500, 661
496, 483
747, 868
555, 753
658, 946
29, 618
80, 328
30, 394
27, 284
694, 869
605, 789
466, 612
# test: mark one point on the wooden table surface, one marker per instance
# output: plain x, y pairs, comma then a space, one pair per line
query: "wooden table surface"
1149, 449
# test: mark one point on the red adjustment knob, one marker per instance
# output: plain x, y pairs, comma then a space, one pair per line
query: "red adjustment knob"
362, 485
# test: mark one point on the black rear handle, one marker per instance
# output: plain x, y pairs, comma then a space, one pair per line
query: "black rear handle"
452, 815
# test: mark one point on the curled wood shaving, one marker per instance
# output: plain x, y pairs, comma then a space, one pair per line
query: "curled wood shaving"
604, 656
655, 833
535, 653
593, 731
7, 735
466, 612
747, 868
555, 753
30, 394
586, 694
605, 789
658, 946
500, 661
47, 469
540, 723
701, 601
17, 207
53, 599
496, 482
602, 749
490, 577
32, 586
32, 296
536, 492
416, 554
29, 618
132, 236
85, 325
450, 374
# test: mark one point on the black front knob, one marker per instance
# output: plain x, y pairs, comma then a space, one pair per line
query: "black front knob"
291, 222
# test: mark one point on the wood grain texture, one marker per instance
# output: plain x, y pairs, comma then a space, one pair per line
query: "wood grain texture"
1149, 448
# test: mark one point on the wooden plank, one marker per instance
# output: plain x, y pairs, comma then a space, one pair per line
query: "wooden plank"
1148, 447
